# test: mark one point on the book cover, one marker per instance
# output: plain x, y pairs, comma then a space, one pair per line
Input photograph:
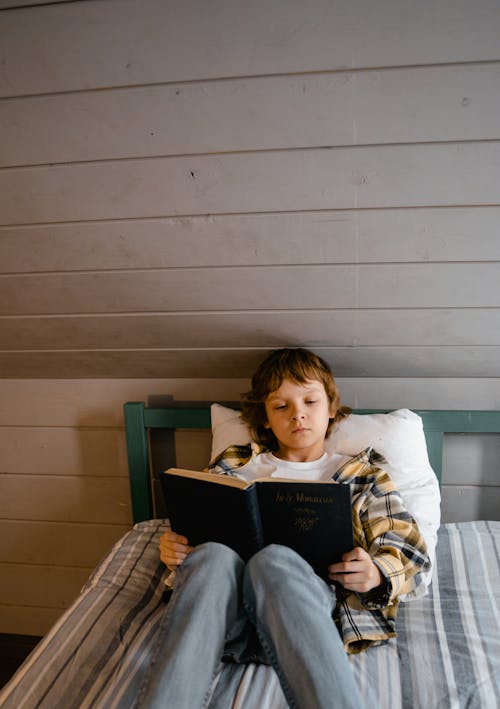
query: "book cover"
313, 518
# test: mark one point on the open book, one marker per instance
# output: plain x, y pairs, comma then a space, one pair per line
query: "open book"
313, 518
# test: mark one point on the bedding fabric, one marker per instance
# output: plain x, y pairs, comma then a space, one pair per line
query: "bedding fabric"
447, 653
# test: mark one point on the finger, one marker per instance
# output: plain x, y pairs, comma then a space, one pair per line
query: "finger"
173, 559
352, 582
175, 546
355, 554
339, 568
359, 587
345, 567
361, 580
174, 537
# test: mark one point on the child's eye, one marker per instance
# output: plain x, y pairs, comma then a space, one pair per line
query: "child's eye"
280, 406
310, 402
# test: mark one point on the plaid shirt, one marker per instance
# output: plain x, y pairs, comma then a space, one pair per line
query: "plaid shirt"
383, 527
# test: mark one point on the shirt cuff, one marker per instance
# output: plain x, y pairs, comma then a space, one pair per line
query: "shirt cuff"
377, 598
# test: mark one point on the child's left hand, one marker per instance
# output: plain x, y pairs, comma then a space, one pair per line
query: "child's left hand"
356, 571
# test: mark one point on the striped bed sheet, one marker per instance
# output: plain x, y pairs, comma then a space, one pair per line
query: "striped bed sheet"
447, 653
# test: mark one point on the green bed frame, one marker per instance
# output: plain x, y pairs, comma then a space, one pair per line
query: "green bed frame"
143, 423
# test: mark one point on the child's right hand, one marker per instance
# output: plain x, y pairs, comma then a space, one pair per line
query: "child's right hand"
173, 549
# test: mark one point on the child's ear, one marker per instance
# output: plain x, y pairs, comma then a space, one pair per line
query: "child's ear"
267, 424
333, 411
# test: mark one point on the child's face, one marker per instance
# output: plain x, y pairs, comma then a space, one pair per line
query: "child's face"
298, 415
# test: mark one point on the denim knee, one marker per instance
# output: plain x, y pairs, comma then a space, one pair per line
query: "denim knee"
281, 570
213, 559
275, 556
272, 566
214, 551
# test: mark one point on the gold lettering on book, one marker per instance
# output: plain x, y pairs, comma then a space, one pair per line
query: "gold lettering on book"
293, 498
305, 524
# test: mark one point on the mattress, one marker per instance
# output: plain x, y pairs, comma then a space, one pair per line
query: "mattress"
447, 653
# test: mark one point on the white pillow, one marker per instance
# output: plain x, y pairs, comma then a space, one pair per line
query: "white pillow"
398, 436
227, 429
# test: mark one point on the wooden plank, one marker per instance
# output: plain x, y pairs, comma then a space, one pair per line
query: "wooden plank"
453, 361
429, 285
193, 241
158, 41
27, 620
41, 586
310, 179
464, 504
63, 451
268, 287
319, 328
98, 402
29, 402
18, 4
472, 459
175, 290
423, 393
56, 543
344, 108
65, 499
380, 235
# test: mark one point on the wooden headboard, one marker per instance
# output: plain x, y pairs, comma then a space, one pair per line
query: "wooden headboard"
141, 421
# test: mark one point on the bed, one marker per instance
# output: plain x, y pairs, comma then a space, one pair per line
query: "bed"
447, 653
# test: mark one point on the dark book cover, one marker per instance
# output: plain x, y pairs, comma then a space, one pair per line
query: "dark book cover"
313, 518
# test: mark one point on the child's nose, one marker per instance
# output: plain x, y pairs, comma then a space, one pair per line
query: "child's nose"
297, 413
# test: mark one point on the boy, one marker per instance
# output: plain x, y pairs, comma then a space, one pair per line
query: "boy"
275, 609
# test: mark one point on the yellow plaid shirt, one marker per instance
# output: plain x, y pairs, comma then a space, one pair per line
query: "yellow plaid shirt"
383, 527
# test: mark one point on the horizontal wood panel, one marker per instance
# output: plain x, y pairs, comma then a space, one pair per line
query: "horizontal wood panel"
41, 586
441, 103
310, 179
464, 504
319, 328
10, 4
217, 363
176, 290
158, 41
284, 288
65, 499
423, 393
56, 543
472, 459
25, 620
63, 451
97, 402
429, 285
381, 235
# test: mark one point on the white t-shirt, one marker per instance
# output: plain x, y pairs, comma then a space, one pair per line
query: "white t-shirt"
267, 464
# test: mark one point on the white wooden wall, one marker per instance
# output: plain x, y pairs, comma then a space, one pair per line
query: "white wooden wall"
186, 184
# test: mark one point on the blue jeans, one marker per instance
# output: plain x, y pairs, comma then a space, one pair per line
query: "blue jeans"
217, 605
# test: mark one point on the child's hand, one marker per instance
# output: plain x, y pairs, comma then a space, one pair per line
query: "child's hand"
173, 549
356, 571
